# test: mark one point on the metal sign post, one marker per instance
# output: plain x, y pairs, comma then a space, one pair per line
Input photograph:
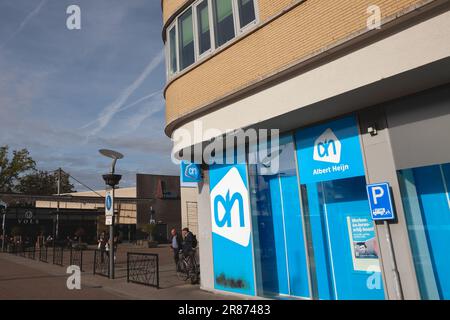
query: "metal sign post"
3, 207
382, 209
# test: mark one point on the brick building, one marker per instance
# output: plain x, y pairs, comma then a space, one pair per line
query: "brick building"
360, 93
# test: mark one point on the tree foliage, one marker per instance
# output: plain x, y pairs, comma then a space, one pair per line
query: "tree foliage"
44, 183
12, 169
19, 174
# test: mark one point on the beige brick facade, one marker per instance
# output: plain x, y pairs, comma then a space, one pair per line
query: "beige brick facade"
306, 29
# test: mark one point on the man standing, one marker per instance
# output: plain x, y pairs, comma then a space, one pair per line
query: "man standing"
176, 245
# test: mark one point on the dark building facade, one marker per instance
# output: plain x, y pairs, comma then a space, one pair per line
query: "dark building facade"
165, 209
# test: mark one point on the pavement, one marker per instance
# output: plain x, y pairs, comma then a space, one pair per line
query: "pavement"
30, 279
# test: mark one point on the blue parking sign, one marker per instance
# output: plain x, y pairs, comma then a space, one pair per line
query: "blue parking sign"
380, 201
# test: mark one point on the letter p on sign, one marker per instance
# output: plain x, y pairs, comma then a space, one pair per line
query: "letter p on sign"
377, 192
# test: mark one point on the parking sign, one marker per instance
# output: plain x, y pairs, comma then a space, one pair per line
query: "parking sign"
380, 201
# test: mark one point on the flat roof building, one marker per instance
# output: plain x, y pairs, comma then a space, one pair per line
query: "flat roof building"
319, 99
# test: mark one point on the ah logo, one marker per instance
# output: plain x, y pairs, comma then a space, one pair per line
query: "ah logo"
327, 148
192, 171
230, 210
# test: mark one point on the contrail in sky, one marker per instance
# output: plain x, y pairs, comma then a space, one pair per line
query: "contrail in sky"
25, 22
128, 106
109, 111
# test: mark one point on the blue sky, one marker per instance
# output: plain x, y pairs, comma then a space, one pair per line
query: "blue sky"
64, 94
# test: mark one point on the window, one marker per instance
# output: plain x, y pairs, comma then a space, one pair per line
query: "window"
247, 13
204, 34
173, 61
205, 26
186, 30
223, 21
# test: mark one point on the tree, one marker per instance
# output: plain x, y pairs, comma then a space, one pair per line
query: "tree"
11, 170
44, 183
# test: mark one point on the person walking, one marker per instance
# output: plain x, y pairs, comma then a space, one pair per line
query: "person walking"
102, 241
175, 245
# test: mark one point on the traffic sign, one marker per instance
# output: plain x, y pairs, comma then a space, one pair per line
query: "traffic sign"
380, 201
108, 220
109, 204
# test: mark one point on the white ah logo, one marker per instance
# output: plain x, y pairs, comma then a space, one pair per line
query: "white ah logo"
230, 212
327, 148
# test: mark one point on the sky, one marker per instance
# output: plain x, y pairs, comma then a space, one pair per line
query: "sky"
65, 94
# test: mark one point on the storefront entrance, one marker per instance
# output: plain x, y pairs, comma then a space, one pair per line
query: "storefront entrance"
343, 249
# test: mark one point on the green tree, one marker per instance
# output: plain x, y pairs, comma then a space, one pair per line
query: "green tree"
12, 169
44, 183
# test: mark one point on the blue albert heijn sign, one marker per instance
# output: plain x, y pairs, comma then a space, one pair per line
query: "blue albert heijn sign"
231, 229
380, 201
329, 151
190, 172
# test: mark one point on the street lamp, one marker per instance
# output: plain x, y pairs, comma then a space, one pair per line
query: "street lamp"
111, 180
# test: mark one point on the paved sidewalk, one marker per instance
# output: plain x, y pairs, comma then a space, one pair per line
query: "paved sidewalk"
22, 278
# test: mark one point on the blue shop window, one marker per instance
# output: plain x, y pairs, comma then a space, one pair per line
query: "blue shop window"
342, 242
426, 200
280, 255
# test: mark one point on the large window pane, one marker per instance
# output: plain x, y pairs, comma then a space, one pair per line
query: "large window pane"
186, 31
280, 257
426, 200
223, 21
246, 12
204, 36
173, 53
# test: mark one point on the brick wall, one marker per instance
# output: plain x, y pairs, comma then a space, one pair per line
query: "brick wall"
303, 31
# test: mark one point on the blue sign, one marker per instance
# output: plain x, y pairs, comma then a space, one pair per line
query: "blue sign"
329, 151
231, 229
190, 172
380, 201
108, 202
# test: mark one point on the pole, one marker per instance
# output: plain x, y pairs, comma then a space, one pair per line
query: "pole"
57, 206
398, 286
111, 241
4, 233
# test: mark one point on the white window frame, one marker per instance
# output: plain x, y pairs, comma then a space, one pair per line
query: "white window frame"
238, 30
237, 21
173, 25
196, 30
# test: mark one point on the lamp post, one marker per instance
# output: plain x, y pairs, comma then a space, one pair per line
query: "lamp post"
111, 180
3, 207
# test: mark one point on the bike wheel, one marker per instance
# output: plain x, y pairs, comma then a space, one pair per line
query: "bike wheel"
182, 272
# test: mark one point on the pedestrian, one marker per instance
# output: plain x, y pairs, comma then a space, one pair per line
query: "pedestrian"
102, 242
176, 244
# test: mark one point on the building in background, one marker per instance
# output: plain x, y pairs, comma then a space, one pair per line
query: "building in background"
165, 209
355, 104
156, 199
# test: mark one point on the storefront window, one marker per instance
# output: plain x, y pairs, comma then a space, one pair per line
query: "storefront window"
426, 201
280, 255
341, 237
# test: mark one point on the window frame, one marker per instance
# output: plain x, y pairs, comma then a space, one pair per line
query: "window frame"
237, 21
173, 25
238, 31
200, 56
194, 38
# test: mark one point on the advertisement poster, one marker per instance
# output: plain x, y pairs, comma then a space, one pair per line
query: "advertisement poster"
231, 229
363, 243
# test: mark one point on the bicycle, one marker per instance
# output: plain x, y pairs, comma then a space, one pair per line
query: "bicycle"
188, 268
